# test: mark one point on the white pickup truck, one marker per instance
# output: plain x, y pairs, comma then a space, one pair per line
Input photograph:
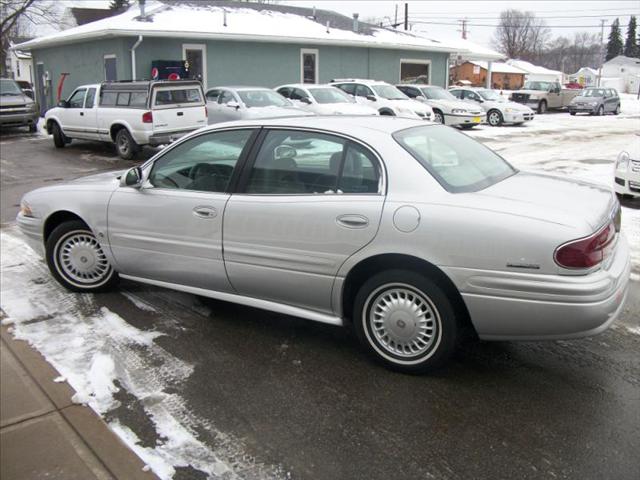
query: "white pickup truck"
542, 96
129, 114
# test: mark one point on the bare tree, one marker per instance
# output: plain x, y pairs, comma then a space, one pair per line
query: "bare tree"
569, 55
521, 35
17, 16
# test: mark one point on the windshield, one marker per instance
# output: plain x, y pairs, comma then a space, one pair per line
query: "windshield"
490, 95
593, 92
544, 86
389, 92
456, 161
262, 98
436, 93
9, 87
330, 95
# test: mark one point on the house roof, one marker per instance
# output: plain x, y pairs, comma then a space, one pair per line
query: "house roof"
244, 22
531, 68
499, 67
622, 60
587, 70
83, 16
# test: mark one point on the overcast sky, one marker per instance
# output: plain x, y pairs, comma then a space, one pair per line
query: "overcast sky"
576, 16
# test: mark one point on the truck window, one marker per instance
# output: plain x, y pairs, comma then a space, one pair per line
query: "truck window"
138, 99
91, 96
77, 99
177, 96
123, 99
108, 99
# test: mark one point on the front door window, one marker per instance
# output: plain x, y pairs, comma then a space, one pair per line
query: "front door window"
309, 66
194, 63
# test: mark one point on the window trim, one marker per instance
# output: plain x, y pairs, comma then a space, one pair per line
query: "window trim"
243, 180
203, 48
418, 61
316, 52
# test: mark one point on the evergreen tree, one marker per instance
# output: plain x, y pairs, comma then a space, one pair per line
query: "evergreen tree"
614, 45
630, 45
119, 5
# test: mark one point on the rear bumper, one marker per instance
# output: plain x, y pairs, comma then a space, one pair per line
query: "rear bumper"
31, 228
168, 137
519, 306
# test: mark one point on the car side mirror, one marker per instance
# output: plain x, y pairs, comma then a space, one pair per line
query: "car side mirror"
305, 100
372, 98
233, 104
420, 98
63, 104
132, 178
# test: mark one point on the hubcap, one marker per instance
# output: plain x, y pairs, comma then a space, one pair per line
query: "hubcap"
403, 321
438, 117
81, 259
494, 119
123, 144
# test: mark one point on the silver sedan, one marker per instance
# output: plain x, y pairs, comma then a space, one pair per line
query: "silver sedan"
412, 233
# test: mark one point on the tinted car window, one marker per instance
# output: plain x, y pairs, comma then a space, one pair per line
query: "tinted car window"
363, 91
212, 95
77, 99
167, 96
108, 99
225, 97
204, 163
138, 99
457, 162
291, 162
285, 92
123, 99
298, 94
359, 171
456, 93
349, 88
91, 96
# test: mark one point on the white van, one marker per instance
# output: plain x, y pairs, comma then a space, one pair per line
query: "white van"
129, 114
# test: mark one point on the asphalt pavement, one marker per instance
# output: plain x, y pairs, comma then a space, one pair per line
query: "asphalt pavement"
304, 402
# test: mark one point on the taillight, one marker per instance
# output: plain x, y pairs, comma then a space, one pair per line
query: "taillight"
587, 252
147, 117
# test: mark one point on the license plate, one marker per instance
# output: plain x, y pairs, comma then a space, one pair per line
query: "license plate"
477, 119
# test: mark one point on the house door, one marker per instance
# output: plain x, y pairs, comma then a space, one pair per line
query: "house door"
110, 70
195, 56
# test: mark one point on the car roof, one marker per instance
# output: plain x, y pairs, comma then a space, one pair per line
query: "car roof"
359, 80
306, 85
237, 87
416, 85
338, 123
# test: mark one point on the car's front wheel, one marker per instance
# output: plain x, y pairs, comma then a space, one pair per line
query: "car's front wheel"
600, 111
406, 321
438, 116
76, 259
617, 110
495, 118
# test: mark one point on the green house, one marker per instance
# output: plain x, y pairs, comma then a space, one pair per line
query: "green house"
234, 43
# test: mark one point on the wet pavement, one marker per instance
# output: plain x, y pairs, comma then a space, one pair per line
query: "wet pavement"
283, 397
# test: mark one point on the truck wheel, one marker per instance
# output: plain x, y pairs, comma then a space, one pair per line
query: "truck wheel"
495, 118
59, 139
33, 128
572, 113
542, 106
125, 144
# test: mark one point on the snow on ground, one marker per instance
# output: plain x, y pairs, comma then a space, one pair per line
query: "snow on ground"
98, 353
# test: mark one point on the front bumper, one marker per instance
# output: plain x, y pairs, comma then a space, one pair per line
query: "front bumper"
19, 119
627, 183
519, 306
518, 117
32, 229
582, 109
455, 119
165, 138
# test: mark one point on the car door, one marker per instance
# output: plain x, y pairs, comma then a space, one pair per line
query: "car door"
170, 230
73, 116
90, 114
229, 107
472, 98
554, 96
611, 101
364, 95
306, 202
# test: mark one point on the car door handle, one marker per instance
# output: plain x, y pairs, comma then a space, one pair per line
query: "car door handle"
352, 221
205, 212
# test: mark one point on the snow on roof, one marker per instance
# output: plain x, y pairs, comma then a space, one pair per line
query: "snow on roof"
586, 70
622, 60
498, 67
271, 23
531, 68
468, 49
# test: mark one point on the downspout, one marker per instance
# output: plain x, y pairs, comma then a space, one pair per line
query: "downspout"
133, 57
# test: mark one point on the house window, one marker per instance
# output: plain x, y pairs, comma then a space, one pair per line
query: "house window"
110, 70
18, 68
415, 71
309, 65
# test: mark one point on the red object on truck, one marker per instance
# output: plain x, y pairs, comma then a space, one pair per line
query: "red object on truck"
60, 84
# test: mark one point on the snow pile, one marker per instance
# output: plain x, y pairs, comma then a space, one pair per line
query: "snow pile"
98, 353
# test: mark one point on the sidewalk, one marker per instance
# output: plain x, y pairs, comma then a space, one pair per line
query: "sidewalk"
43, 434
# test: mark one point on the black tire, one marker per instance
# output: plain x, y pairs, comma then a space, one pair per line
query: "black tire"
387, 112
59, 139
64, 235
439, 313
466, 127
438, 116
617, 110
33, 128
126, 145
600, 110
494, 118
542, 106
572, 113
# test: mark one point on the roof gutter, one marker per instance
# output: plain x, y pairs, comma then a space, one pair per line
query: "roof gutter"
133, 57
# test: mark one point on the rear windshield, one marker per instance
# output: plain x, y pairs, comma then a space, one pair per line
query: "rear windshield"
173, 96
456, 161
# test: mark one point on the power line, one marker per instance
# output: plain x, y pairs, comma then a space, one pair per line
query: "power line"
497, 25
537, 16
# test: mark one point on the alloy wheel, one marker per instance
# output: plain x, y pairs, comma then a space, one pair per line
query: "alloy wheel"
79, 258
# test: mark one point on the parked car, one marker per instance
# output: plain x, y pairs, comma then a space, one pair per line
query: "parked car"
225, 104
129, 114
385, 98
596, 101
498, 109
323, 100
409, 231
16, 108
26, 88
542, 96
627, 170
446, 108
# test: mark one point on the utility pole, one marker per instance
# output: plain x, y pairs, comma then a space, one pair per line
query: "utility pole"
602, 21
395, 18
464, 22
406, 16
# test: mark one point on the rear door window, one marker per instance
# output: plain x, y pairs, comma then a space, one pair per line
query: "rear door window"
363, 91
349, 88
169, 97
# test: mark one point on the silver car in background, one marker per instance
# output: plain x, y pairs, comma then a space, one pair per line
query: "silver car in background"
499, 110
226, 104
323, 100
596, 101
447, 109
409, 231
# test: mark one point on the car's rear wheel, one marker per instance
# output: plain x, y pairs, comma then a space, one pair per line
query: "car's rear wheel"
617, 110
494, 118
76, 259
59, 138
572, 113
438, 116
405, 320
125, 144
600, 110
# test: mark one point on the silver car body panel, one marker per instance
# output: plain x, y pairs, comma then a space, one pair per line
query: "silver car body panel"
288, 253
